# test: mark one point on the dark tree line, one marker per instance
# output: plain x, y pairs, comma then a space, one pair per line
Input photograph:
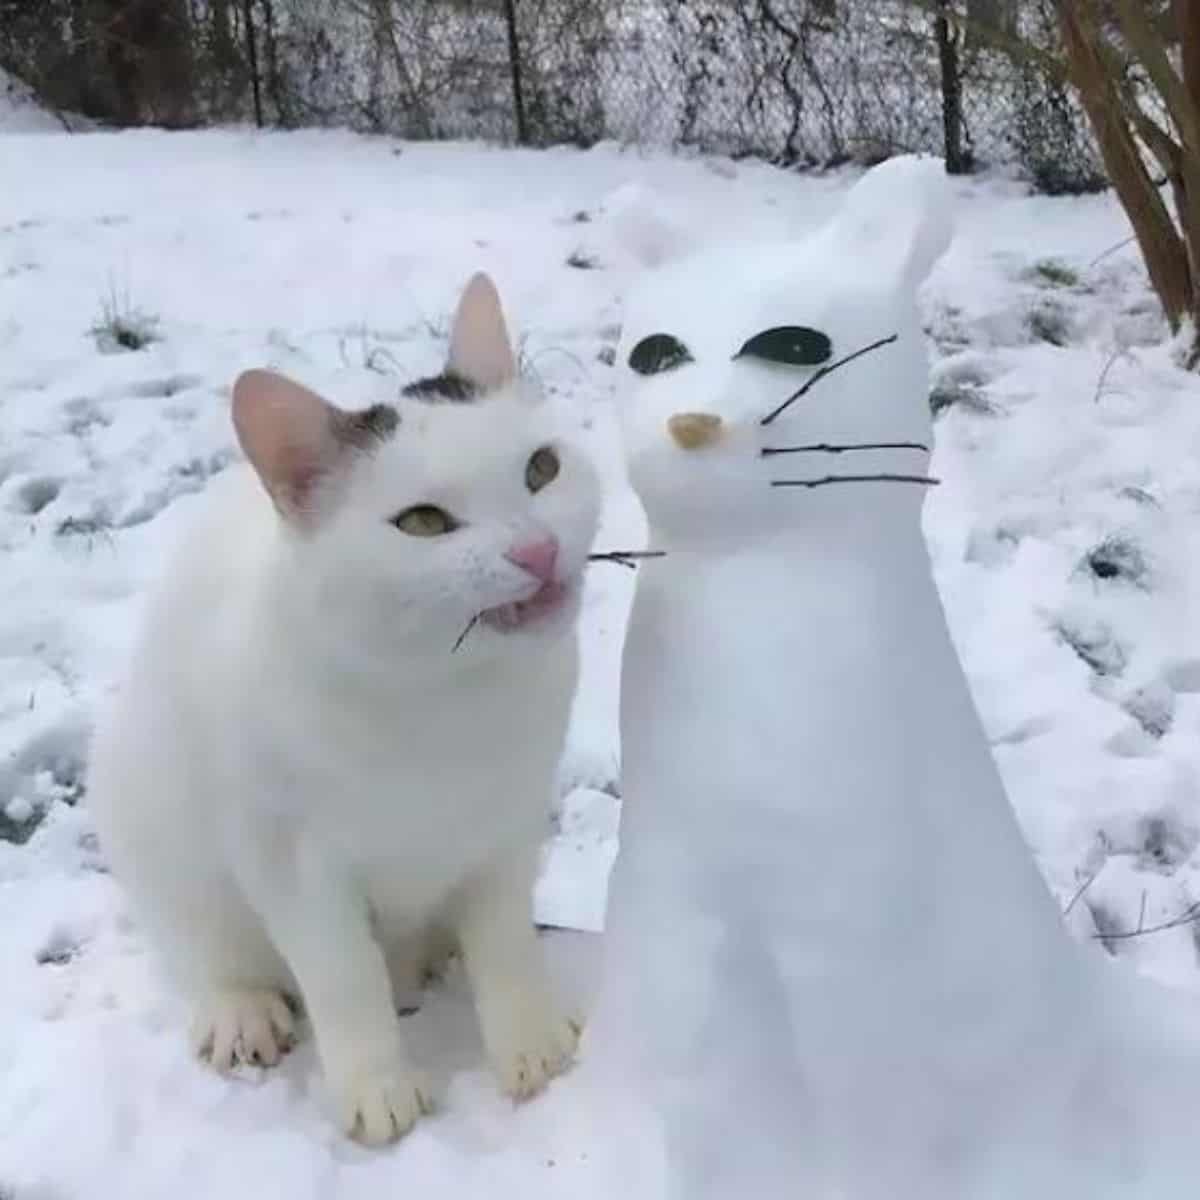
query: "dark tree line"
172, 63
806, 82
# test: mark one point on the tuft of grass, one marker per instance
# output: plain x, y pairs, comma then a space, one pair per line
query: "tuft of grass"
1048, 322
1054, 273
1096, 646
582, 261
362, 345
89, 527
1117, 559
948, 328
961, 381
1139, 496
37, 493
18, 832
1164, 844
1153, 708
58, 950
122, 326
961, 393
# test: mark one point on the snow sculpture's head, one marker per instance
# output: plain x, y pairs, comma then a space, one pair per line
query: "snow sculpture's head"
715, 345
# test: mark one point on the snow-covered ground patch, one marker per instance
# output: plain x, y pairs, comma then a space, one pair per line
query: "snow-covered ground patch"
140, 272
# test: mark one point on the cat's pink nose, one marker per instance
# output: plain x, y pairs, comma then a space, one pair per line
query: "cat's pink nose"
538, 558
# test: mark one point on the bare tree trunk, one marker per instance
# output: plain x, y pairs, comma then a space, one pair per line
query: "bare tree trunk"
1161, 244
958, 158
1186, 14
514, 63
252, 60
275, 83
148, 54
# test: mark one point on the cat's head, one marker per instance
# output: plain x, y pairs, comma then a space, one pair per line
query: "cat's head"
459, 506
712, 346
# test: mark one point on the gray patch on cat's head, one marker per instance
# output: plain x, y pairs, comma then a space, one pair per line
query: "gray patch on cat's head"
365, 429
446, 388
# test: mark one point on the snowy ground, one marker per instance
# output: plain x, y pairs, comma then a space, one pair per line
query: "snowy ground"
1065, 538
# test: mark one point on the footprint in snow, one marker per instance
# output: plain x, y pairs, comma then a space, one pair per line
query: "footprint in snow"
1183, 676
36, 494
171, 385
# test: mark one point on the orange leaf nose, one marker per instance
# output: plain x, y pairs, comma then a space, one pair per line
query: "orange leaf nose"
692, 430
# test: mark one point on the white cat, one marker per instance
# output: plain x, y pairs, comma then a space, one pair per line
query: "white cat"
312, 778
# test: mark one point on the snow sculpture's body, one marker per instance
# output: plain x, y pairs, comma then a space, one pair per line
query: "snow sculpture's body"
833, 966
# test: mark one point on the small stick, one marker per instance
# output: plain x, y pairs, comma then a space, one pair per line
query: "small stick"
831, 448
1189, 916
626, 558
1108, 366
1083, 887
927, 480
1111, 250
827, 370
462, 637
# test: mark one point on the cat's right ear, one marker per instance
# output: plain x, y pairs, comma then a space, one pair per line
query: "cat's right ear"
480, 349
294, 439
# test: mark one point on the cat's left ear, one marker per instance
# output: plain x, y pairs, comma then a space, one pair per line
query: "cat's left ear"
480, 349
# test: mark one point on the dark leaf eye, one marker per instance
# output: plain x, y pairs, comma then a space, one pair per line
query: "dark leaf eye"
425, 520
792, 345
658, 352
541, 469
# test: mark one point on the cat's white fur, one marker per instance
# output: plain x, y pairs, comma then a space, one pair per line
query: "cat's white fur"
305, 787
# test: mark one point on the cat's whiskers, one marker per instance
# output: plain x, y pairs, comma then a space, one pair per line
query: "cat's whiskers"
828, 369
462, 637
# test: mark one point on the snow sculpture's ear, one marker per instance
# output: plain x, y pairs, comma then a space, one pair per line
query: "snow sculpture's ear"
480, 350
641, 225
899, 217
294, 439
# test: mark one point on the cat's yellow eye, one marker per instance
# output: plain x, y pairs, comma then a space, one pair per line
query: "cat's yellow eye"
541, 469
425, 520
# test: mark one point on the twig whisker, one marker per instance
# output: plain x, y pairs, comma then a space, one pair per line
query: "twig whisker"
823, 480
826, 370
626, 558
836, 448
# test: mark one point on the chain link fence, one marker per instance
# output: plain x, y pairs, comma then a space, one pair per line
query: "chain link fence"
798, 82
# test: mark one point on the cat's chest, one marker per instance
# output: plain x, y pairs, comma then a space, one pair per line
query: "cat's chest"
405, 775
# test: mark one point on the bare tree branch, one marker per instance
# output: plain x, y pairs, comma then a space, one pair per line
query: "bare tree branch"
1151, 52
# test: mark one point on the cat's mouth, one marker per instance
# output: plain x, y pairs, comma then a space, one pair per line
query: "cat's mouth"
517, 614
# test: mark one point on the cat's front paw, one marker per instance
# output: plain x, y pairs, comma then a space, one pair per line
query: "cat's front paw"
381, 1104
253, 1026
528, 1045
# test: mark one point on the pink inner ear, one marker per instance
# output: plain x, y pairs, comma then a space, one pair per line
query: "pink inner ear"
287, 433
480, 350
